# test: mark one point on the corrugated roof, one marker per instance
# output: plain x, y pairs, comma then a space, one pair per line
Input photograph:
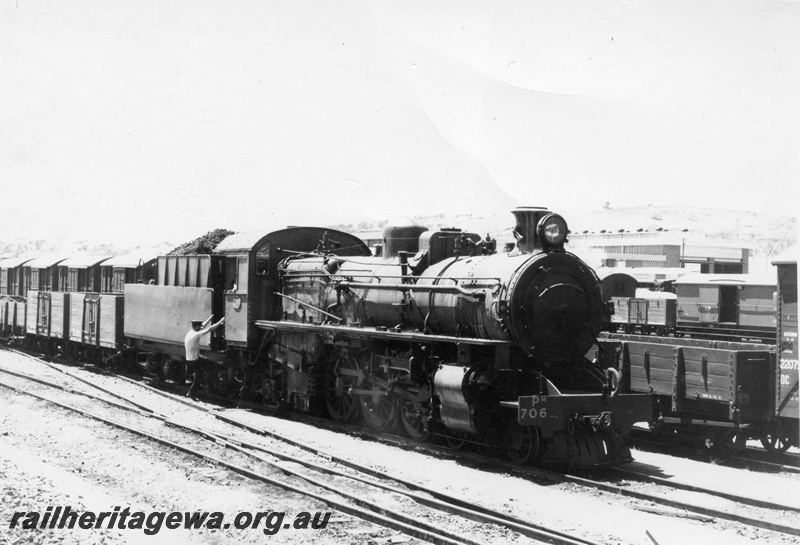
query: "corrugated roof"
728, 279
786, 257
45, 261
644, 274
83, 261
13, 262
129, 261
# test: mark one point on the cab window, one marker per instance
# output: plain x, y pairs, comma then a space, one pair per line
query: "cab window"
262, 260
236, 274
231, 274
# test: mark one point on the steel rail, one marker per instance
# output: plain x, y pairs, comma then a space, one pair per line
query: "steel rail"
439, 501
591, 483
643, 441
72, 391
79, 379
560, 477
549, 475
694, 488
472, 511
378, 517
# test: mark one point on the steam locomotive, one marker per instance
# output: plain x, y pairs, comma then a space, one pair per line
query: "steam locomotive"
436, 333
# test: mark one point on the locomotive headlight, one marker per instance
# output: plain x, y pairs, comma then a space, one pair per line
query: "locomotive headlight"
552, 230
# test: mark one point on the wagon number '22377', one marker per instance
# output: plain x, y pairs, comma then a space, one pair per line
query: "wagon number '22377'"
789, 365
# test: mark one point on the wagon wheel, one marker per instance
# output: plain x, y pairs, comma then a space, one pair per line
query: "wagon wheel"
379, 409
725, 441
524, 442
69, 350
267, 390
414, 418
216, 377
340, 379
776, 441
89, 354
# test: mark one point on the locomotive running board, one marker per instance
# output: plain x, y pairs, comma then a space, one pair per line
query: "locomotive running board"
374, 333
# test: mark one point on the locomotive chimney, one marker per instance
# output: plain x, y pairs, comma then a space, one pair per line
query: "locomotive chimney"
527, 219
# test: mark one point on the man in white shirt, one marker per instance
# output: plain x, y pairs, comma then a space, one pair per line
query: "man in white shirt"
194, 361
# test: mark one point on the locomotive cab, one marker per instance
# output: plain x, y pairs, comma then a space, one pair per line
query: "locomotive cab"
252, 280
240, 281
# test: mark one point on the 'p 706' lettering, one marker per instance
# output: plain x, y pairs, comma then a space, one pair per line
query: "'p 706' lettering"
532, 413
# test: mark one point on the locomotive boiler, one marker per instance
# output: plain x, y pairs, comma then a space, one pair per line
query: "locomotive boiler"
451, 338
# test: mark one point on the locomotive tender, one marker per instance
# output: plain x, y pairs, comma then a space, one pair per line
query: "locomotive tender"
437, 334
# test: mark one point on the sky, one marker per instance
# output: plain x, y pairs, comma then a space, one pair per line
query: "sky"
136, 122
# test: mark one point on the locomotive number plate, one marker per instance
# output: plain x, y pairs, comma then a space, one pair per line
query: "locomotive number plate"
532, 410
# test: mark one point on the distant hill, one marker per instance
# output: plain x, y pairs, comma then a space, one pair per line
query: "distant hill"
766, 234
729, 225
718, 224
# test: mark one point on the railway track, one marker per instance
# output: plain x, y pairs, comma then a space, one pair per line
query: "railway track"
739, 508
353, 505
752, 458
585, 479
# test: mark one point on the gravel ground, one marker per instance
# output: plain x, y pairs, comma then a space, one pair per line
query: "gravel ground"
51, 457
599, 516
